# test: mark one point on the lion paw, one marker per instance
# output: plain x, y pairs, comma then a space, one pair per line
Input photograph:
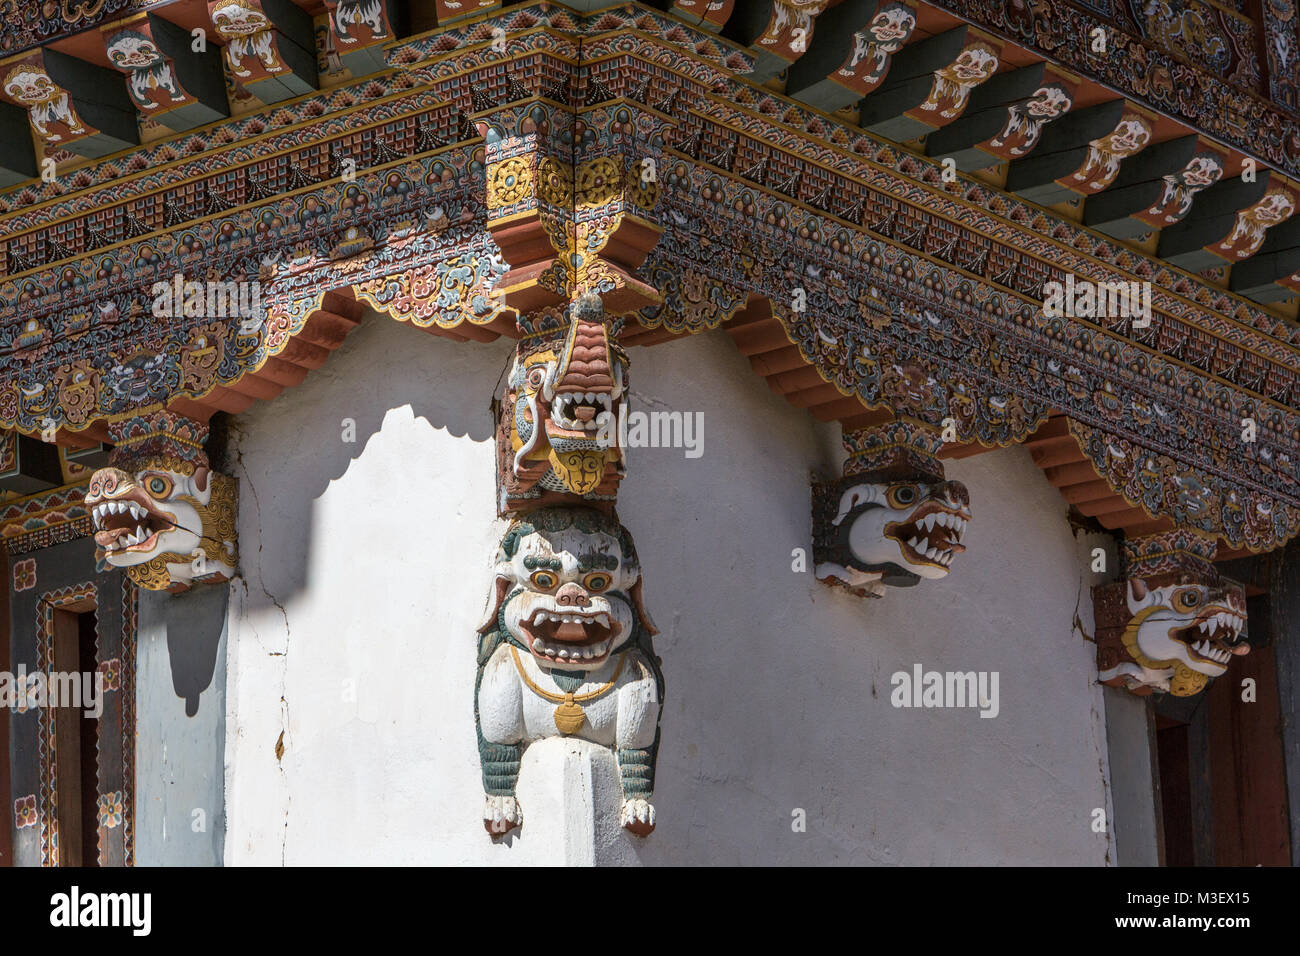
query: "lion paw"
501, 815
638, 816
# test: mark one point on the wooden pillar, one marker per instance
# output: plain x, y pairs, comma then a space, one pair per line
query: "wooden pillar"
1284, 598
6, 660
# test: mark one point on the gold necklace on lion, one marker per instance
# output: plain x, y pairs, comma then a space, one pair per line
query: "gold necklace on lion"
569, 717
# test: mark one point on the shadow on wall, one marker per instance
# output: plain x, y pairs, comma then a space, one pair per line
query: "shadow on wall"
329, 433
195, 621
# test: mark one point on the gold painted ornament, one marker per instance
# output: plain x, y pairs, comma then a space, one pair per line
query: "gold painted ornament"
568, 717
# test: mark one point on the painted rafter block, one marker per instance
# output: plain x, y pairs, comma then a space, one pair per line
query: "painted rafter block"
1155, 189
17, 156
269, 46
708, 14
1081, 154
165, 78
930, 83
863, 40
27, 464
360, 29
569, 224
1005, 120
1228, 221
777, 32
449, 11
71, 104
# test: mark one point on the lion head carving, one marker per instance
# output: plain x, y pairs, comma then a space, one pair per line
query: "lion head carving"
159, 510
868, 535
1178, 637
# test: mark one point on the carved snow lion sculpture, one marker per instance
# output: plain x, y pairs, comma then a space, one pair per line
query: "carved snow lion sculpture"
566, 651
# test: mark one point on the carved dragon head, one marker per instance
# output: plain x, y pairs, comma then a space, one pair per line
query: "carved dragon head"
568, 588
888, 533
1182, 635
159, 511
562, 396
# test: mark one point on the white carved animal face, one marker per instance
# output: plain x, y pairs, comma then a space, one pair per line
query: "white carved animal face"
575, 606
1201, 171
1128, 137
914, 525
30, 86
892, 25
971, 64
238, 19
1192, 624
1048, 102
133, 51
166, 516
1274, 208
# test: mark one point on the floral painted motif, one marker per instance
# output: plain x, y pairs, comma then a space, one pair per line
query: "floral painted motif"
110, 809
25, 574
25, 812
112, 671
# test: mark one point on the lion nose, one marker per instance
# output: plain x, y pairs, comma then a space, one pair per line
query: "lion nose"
572, 595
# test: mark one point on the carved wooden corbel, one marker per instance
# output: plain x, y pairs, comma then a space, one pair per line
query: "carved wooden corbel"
159, 510
893, 519
1172, 625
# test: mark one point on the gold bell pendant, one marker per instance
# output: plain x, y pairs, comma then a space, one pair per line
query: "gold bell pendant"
569, 717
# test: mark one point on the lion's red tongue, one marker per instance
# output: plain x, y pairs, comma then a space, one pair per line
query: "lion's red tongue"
571, 632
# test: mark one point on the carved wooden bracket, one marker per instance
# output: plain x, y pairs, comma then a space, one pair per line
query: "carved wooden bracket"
1172, 625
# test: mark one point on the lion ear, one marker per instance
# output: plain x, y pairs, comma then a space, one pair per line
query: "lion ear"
642, 614
201, 478
501, 590
1139, 595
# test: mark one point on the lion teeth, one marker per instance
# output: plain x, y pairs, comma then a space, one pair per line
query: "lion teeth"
923, 547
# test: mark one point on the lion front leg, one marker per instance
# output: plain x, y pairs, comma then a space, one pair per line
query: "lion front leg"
498, 720
637, 770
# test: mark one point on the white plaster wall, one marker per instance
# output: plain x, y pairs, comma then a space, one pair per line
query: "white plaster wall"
370, 562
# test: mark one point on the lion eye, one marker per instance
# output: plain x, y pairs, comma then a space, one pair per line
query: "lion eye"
596, 581
158, 486
1187, 599
536, 376
901, 495
543, 580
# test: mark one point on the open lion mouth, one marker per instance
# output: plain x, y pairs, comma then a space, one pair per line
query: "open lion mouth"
127, 524
933, 535
567, 637
1213, 635
580, 411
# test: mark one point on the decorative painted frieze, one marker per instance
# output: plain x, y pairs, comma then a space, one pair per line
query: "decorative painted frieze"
1172, 625
159, 510
566, 651
892, 520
